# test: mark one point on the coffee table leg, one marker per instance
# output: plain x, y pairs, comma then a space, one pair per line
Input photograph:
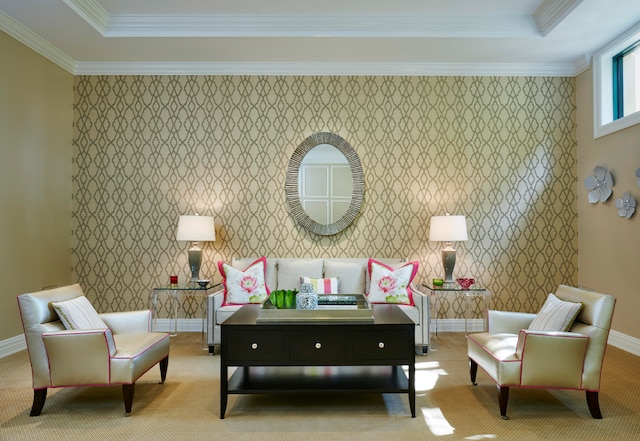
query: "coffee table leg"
223, 388
412, 389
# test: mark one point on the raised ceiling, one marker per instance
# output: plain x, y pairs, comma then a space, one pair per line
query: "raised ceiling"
328, 37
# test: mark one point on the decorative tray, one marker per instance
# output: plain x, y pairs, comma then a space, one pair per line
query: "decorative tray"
332, 308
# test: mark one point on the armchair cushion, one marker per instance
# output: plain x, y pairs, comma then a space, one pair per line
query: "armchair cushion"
555, 315
248, 286
323, 286
78, 313
389, 285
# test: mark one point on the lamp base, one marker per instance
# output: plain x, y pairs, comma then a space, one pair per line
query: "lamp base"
448, 262
195, 259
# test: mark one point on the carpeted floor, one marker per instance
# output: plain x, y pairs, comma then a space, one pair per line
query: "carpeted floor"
448, 407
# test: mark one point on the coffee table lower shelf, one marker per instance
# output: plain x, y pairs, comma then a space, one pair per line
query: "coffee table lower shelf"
331, 379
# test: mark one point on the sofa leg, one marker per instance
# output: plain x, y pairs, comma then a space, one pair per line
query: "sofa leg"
594, 404
503, 399
164, 364
425, 349
473, 371
127, 393
39, 397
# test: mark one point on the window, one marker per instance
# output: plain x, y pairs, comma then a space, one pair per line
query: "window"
626, 81
616, 84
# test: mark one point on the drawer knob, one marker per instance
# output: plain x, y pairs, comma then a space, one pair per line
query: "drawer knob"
254, 345
381, 345
318, 345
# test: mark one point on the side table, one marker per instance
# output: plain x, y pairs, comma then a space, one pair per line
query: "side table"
173, 294
454, 289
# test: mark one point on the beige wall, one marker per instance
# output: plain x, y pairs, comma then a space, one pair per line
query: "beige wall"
500, 150
609, 245
36, 117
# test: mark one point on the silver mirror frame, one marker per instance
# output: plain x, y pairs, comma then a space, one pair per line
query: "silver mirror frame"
291, 184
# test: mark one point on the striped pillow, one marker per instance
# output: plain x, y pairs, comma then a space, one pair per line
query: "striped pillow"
555, 315
323, 286
78, 313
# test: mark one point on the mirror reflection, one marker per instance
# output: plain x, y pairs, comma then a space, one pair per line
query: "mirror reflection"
325, 184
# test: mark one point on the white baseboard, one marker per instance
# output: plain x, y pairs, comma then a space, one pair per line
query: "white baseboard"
12, 345
617, 339
624, 342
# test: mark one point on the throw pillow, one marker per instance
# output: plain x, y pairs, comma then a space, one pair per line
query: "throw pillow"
389, 285
323, 286
78, 313
241, 287
555, 315
351, 274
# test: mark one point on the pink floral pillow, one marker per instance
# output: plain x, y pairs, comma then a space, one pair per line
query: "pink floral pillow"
248, 286
389, 285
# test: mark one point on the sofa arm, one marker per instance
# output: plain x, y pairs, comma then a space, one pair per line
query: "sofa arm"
423, 303
128, 322
555, 359
79, 356
508, 322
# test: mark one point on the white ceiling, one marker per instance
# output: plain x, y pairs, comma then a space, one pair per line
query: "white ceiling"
330, 37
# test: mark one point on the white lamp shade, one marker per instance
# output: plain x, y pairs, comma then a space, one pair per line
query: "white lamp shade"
448, 229
196, 228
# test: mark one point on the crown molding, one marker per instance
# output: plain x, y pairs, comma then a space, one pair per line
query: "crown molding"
298, 25
326, 68
37, 43
272, 25
551, 12
92, 12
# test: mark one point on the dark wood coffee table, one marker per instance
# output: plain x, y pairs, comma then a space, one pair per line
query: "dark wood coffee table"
274, 358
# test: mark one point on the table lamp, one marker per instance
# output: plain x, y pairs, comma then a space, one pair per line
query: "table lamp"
448, 229
195, 228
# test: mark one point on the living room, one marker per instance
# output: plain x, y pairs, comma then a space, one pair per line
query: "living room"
98, 166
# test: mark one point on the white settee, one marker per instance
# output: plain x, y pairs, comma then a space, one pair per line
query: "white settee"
284, 273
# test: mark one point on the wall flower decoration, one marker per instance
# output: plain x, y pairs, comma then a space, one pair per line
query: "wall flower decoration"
626, 205
599, 185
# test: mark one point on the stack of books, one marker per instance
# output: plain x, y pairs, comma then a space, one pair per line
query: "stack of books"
329, 301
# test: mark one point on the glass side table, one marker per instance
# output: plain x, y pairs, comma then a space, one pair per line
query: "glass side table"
174, 293
453, 289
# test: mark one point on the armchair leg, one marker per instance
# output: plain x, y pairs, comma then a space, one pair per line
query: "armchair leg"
164, 364
594, 405
39, 397
473, 371
127, 393
503, 399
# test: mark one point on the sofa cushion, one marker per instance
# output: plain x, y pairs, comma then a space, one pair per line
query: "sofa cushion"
329, 285
389, 285
290, 271
248, 286
555, 315
352, 275
78, 313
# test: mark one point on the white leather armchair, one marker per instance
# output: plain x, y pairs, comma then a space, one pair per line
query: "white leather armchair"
118, 354
514, 356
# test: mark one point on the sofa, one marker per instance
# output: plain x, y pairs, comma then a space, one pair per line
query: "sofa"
285, 273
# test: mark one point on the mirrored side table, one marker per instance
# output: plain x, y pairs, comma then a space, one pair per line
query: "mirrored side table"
174, 294
455, 290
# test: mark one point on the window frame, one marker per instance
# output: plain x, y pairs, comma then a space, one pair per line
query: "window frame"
603, 86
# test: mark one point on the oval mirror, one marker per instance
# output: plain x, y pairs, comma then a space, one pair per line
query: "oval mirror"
324, 184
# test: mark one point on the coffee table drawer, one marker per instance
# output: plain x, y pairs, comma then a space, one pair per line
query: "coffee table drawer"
386, 345
317, 346
255, 347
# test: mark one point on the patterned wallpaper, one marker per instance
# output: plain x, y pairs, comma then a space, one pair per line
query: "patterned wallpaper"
500, 150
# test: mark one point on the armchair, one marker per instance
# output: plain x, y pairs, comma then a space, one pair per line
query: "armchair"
514, 356
119, 353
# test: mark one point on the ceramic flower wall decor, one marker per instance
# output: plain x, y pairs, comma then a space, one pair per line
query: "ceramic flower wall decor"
599, 185
626, 205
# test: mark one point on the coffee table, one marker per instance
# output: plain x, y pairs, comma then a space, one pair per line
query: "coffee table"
279, 357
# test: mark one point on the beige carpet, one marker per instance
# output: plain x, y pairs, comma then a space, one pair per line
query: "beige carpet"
186, 407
